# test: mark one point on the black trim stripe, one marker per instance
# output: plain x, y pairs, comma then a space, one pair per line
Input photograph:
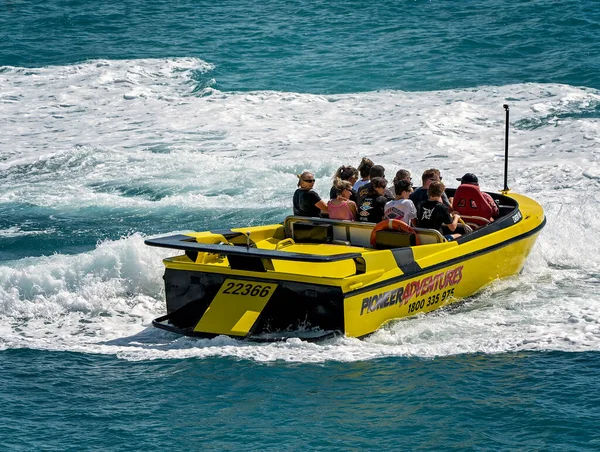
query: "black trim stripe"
187, 243
405, 259
223, 232
497, 225
447, 263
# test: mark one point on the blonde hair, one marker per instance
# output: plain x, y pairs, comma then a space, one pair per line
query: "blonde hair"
341, 185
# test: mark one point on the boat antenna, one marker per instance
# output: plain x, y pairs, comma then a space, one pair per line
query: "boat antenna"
506, 189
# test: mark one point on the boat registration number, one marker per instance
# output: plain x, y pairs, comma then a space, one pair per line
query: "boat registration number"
247, 289
236, 307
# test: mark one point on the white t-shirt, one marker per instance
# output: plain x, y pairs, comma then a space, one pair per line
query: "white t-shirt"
400, 209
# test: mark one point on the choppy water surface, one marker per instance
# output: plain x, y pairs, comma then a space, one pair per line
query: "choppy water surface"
133, 120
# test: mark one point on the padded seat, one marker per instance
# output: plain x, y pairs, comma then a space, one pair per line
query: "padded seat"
312, 233
393, 239
474, 221
469, 202
429, 236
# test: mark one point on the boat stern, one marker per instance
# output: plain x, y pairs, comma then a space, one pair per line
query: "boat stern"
205, 304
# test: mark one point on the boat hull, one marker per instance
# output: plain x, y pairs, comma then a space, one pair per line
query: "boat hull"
367, 310
264, 284
241, 306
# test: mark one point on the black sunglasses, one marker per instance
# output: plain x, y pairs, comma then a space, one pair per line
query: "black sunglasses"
308, 180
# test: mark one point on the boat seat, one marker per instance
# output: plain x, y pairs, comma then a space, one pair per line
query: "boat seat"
469, 202
399, 239
393, 239
474, 221
429, 236
312, 232
353, 233
361, 235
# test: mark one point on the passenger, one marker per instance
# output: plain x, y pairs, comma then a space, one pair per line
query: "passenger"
401, 208
433, 213
400, 175
372, 205
375, 171
364, 168
344, 173
342, 208
307, 203
421, 195
471, 179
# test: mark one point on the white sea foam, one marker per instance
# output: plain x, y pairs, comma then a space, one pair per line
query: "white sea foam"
16, 231
134, 134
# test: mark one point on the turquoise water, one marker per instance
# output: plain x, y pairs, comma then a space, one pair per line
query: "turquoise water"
322, 47
130, 119
514, 401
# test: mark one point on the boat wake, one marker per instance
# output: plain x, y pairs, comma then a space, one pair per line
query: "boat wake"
145, 145
103, 302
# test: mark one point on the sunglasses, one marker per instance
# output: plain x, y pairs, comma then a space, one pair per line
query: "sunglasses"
308, 180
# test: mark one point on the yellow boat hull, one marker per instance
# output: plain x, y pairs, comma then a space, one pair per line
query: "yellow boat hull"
367, 311
316, 277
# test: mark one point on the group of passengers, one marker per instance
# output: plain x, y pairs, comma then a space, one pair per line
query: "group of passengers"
368, 198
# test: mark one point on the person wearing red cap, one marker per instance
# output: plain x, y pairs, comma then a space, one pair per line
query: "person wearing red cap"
471, 179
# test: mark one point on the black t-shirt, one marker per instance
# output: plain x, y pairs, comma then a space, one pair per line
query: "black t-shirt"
432, 215
371, 208
420, 195
368, 188
304, 203
333, 194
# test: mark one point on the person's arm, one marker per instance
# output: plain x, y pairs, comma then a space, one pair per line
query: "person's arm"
417, 221
321, 205
353, 209
413, 213
381, 201
452, 226
492, 204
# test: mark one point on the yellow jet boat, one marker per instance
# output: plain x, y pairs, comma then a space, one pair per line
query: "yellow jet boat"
316, 277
